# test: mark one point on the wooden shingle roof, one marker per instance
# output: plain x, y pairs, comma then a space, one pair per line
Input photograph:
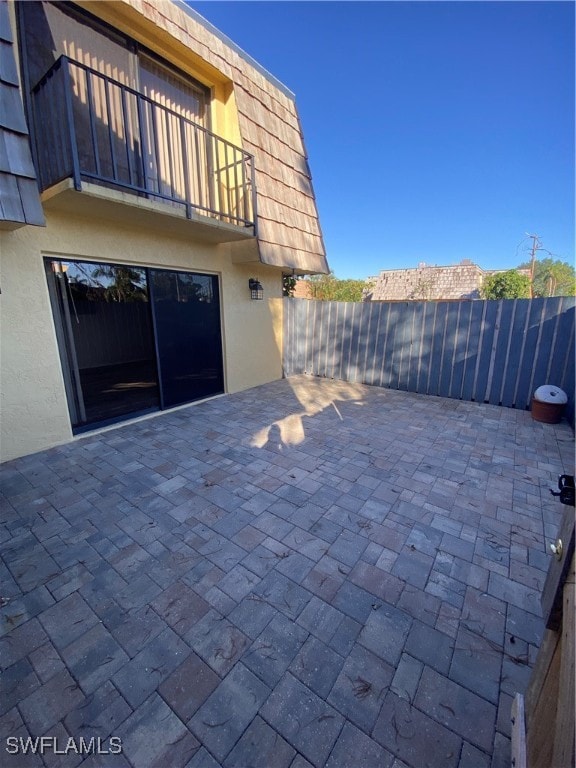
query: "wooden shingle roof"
19, 195
289, 233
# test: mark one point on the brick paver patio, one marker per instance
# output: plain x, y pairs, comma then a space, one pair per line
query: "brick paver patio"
306, 573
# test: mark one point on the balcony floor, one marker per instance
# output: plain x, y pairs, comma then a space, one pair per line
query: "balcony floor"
309, 572
123, 207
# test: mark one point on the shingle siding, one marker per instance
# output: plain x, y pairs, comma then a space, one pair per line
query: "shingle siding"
427, 283
19, 195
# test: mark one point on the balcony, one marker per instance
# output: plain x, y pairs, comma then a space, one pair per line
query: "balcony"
102, 136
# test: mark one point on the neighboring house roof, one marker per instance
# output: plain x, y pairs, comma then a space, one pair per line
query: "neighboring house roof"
430, 283
19, 194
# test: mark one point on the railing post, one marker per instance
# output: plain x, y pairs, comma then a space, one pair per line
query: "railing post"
186, 166
253, 192
127, 133
141, 139
211, 172
157, 162
71, 124
110, 131
90, 105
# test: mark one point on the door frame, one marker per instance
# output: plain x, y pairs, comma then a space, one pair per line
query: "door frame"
67, 349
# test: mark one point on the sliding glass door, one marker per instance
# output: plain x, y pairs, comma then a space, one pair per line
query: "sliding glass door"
132, 339
187, 319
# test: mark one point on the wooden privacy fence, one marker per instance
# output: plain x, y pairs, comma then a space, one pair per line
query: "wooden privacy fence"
486, 351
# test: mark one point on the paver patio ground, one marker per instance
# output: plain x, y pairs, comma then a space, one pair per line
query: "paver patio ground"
306, 573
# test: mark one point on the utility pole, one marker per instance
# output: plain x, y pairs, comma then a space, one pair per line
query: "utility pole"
535, 247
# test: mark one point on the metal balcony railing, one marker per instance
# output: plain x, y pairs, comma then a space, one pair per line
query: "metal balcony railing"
90, 127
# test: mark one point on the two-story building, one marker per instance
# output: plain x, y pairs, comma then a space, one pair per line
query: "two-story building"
154, 187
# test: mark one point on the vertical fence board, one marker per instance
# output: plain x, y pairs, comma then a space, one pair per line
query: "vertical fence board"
403, 346
489, 363
322, 333
301, 322
425, 347
454, 338
485, 350
287, 340
500, 351
332, 349
372, 351
299, 330
313, 335
415, 346
460, 347
472, 344
349, 351
304, 329
385, 335
345, 345
391, 363
363, 322
295, 340
535, 313
331, 346
338, 327
357, 342
326, 338
451, 326
311, 339
519, 324
372, 338
379, 339
438, 333
503, 364
385, 331
362, 319
291, 338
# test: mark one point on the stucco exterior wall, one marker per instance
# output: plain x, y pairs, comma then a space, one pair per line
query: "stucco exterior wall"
33, 408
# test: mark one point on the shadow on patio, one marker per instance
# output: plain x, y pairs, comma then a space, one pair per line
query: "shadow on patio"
309, 572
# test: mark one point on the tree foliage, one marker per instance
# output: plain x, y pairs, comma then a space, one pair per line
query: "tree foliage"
289, 285
553, 277
330, 288
506, 285
109, 282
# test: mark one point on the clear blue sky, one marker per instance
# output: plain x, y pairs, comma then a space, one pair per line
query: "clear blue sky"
436, 131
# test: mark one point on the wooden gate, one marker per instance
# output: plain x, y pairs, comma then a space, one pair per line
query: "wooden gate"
543, 721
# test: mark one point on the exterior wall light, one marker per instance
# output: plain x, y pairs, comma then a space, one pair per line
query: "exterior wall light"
256, 290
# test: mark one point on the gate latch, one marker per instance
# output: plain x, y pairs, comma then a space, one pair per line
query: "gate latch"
566, 492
